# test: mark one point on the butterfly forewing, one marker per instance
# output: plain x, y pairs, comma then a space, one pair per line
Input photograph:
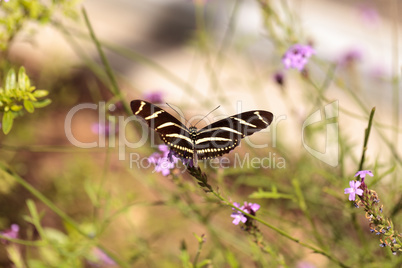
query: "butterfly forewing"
171, 130
224, 135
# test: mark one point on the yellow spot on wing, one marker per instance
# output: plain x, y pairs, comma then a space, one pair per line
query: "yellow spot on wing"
154, 115
260, 117
141, 107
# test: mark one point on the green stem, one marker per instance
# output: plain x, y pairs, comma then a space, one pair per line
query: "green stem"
197, 255
366, 137
114, 86
23, 242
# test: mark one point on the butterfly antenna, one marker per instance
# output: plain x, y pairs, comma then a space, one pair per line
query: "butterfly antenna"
178, 113
207, 115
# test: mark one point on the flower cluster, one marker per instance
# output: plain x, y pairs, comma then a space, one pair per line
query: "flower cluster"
163, 161
297, 56
250, 208
368, 199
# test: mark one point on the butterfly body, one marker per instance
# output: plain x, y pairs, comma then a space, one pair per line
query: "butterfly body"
211, 141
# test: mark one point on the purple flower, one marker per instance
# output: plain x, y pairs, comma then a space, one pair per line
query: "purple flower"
363, 173
10, 233
297, 56
237, 215
164, 161
250, 208
154, 97
353, 190
185, 161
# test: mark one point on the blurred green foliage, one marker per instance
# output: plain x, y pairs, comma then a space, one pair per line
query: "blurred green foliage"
19, 13
18, 94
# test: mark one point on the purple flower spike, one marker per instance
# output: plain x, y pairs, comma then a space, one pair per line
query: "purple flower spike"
240, 217
354, 190
297, 56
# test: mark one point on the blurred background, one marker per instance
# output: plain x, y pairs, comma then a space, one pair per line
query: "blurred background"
196, 55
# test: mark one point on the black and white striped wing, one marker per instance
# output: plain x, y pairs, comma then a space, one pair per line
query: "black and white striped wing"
172, 131
223, 136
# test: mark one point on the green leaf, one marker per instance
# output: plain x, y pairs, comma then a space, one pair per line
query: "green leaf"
7, 123
21, 78
29, 106
31, 96
27, 82
10, 80
40, 93
42, 103
16, 108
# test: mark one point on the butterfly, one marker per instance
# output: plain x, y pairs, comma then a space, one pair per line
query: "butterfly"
211, 141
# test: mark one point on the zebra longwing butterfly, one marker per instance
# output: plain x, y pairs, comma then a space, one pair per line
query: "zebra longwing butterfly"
211, 141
